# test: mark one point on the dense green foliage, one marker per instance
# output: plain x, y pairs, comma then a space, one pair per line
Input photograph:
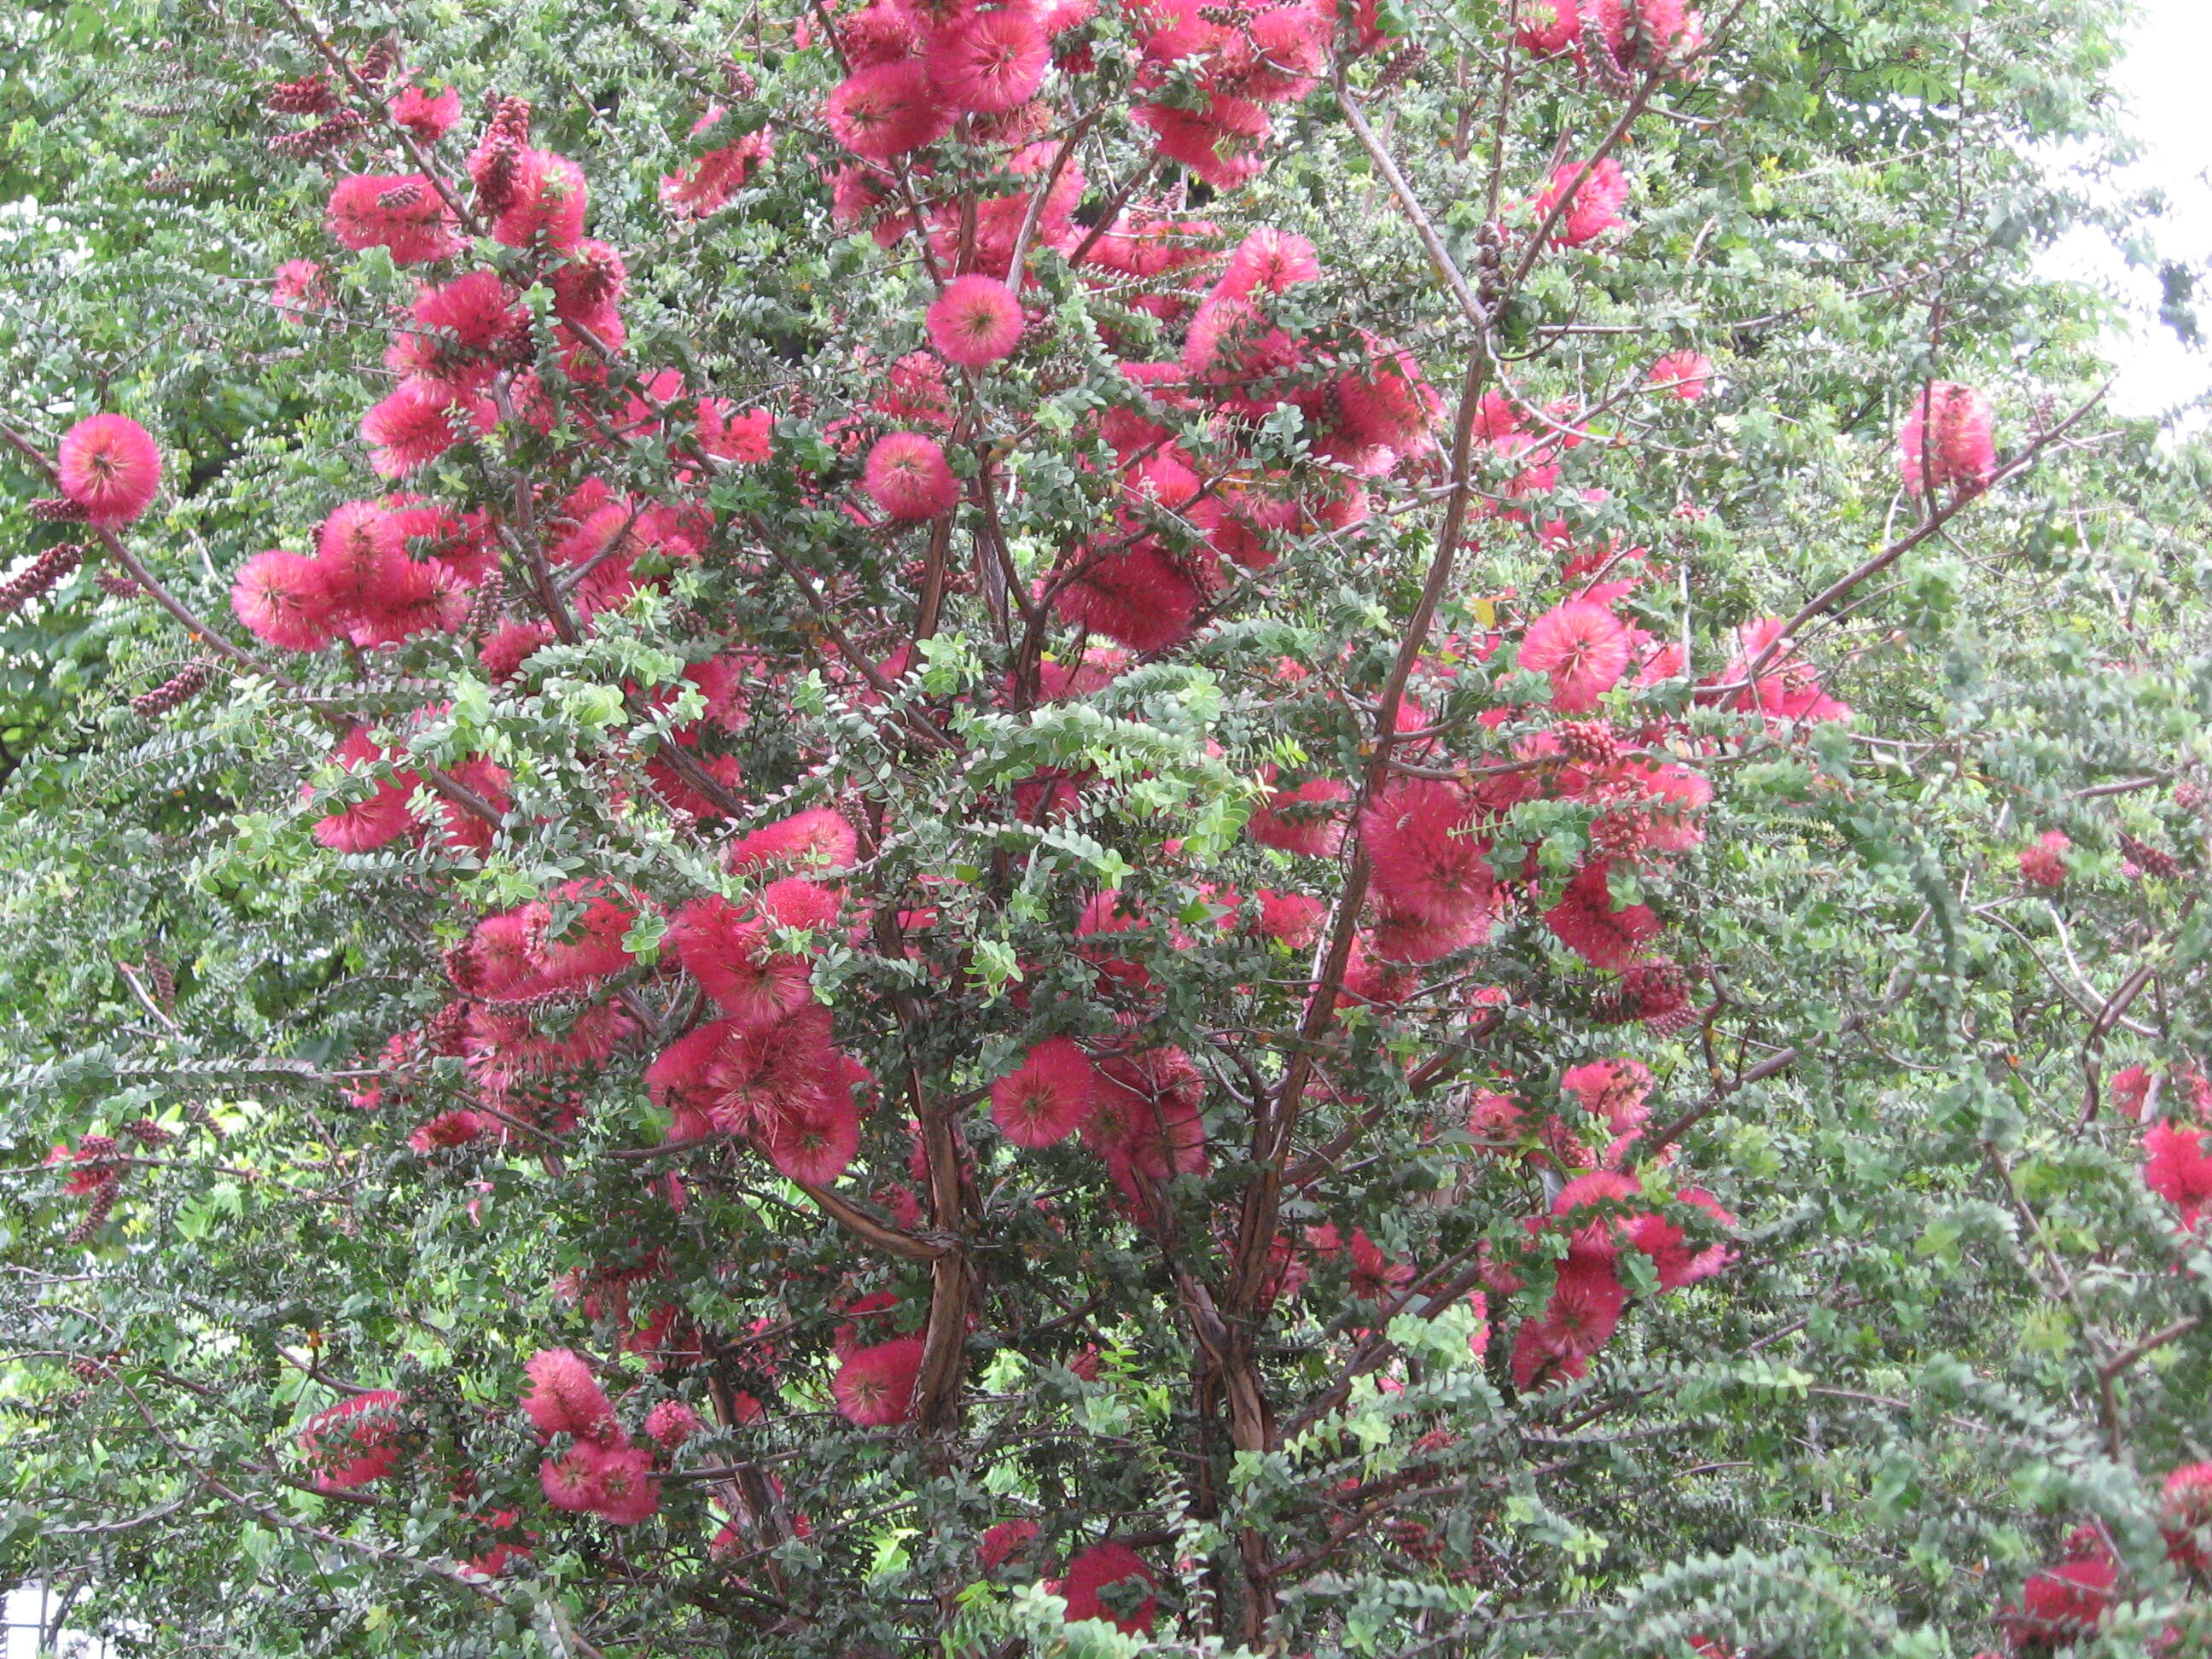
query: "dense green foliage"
1957, 1325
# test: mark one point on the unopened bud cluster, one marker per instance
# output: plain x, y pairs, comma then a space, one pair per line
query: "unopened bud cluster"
39, 577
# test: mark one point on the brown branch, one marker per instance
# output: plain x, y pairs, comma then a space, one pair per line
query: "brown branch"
888, 1239
2127, 1356
1432, 243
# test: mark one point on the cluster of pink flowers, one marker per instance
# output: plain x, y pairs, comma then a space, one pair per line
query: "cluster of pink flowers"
1600, 1211
382, 572
541, 993
916, 71
601, 1472
1628, 34
1600, 1214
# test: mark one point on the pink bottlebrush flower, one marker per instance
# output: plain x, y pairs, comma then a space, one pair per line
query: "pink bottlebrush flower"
2186, 1514
626, 1492
1140, 598
1587, 924
464, 544
1788, 689
975, 321
716, 176
882, 32
1535, 1365
2177, 1167
429, 116
1301, 819
677, 1080
1496, 1121
882, 111
298, 286
753, 1076
989, 61
477, 310
1428, 861
2133, 1090
1231, 343
448, 1130
729, 435
817, 840
914, 392
671, 1422
1401, 940
1001, 1543
1596, 204
1585, 1308
1614, 1090
808, 906
510, 645
586, 284
572, 1482
499, 960
401, 213
1104, 915
421, 597
2044, 863
565, 1398
369, 824
1548, 27
547, 205
2062, 1605
874, 1388
1387, 403
503, 1045
1148, 1115
1680, 374
1277, 55
1294, 918
579, 926
1585, 649
1678, 1262
1049, 1097
1268, 261
1947, 441
1108, 1581
729, 952
1223, 144
813, 1138
906, 474
1497, 418
355, 1442
1374, 1276
872, 1308
107, 465
1598, 1237
1645, 32
861, 198
279, 595
419, 422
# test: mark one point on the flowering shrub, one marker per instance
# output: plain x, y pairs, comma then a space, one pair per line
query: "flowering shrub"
969, 878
